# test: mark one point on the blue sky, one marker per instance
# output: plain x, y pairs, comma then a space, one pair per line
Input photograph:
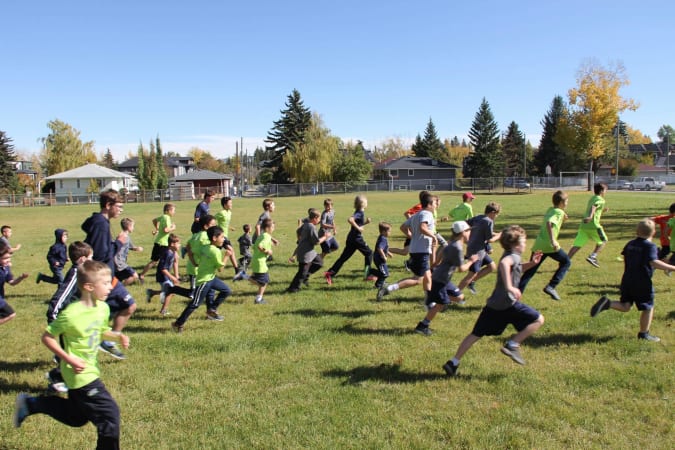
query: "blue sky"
205, 73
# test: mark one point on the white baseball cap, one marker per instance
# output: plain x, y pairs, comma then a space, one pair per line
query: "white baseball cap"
460, 226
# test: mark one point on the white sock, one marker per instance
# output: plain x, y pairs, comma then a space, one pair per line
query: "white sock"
392, 287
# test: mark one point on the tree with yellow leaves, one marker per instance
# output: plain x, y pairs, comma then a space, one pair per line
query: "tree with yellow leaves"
594, 108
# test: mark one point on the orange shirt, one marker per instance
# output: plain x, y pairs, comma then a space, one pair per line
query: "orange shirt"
662, 221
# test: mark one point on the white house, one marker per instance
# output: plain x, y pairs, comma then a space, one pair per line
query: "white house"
76, 185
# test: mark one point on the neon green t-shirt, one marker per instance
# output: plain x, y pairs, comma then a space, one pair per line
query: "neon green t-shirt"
223, 218
259, 259
555, 216
210, 260
197, 243
162, 237
81, 327
599, 204
671, 226
463, 211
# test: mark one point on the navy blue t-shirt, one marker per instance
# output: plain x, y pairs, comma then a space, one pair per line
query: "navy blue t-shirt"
637, 276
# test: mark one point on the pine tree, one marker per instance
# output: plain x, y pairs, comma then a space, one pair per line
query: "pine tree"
162, 178
8, 179
486, 158
151, 168
418, 148
432, 144
549, 152
514, 151
140, 173
108, 160
287, 133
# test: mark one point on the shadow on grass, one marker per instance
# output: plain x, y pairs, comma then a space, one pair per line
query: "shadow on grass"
308, 312
350, 329
670, 315
21, 366
567, 339
389, 373
15, 388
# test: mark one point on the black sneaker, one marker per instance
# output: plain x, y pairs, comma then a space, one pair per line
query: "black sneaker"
213, 315
600, 305
513, 353
177, 328
423, 329
381, 292
649, 337
450, 368
472, 288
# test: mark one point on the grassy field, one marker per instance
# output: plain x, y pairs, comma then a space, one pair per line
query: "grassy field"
330, 368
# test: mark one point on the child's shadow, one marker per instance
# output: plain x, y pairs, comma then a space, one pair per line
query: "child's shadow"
566, 339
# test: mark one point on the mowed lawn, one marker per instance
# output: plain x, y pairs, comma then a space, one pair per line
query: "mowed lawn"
331, 368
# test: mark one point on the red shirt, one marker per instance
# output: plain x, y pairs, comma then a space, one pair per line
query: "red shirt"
662, 221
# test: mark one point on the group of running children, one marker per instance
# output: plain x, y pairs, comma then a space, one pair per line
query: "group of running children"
88, 296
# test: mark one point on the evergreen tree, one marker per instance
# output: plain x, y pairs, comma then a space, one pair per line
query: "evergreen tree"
140, 173
8, 179
454, 142
550, 153
287, 133
108, 160
514, 151
162, 178
486, 158
151, 168
418, 148
432, 144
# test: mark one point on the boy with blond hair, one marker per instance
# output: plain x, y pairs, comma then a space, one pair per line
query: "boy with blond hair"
81, 326
504, 307
640, 258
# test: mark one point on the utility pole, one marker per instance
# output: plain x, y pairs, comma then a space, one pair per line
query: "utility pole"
616, 175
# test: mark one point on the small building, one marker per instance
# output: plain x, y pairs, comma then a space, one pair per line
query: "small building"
83, 184
417, 173
203, 180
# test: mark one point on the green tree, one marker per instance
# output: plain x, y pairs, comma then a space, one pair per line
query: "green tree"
8, 179
514, 151
486, 158
140, 172
313, 160
151, 168
549, 152
418, 148
430, 146
667, 134
352, 165
287, 134
391, 148
162, 179
107, 160
63, 150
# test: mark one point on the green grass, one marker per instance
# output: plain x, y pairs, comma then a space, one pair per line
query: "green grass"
329, 368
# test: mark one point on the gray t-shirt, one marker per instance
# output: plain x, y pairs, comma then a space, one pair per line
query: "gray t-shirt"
453, 255
307, 239
420, 243
501, 299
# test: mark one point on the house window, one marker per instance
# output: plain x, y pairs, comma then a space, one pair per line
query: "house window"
411, 172
78, 184
393, 173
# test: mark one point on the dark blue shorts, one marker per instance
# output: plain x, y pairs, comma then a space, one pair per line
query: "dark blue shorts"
492, 322
157, 251
483, 260
438, 294
329, 245
643, 302
262, 279
5, 309
419, 264
124, 274
119, 299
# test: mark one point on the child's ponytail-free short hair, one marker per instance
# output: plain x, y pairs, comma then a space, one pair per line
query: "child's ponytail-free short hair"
511, 236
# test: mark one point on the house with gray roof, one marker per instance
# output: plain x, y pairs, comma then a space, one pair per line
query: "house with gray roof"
83, 184
417, 173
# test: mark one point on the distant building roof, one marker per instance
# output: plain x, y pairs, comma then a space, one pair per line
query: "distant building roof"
198, 174
416, 162
89, 171
170, 161
658, 148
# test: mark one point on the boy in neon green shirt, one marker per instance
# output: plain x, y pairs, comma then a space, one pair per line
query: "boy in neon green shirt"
547, 244
163, 227
262, 249
81, 327
590, 227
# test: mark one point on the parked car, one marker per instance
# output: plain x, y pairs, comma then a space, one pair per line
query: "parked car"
646, 184
618, 185
519, 183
